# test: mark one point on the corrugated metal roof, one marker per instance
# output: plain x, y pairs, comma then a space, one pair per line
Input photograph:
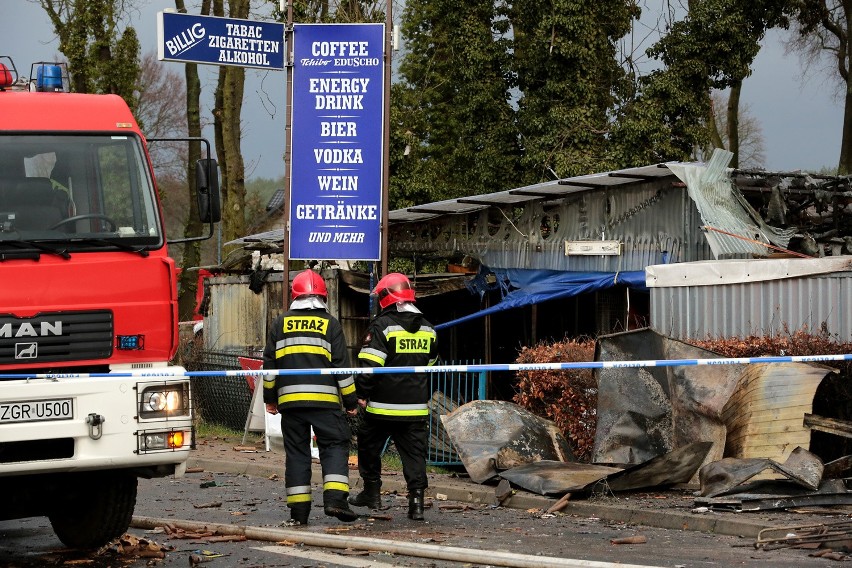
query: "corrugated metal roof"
276, 201
274, 237
551, 190
735, 229
555, 189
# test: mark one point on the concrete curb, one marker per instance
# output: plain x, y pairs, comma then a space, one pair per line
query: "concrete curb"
467, 492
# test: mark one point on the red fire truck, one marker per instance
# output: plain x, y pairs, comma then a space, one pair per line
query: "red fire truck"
88, 309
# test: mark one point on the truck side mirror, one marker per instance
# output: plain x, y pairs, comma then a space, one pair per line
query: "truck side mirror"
207, 190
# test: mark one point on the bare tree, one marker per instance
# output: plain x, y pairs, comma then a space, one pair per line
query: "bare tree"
191, 256
227, 113
822, 39
161, 112
750, 140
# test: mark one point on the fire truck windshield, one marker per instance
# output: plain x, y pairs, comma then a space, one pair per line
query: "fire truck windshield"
87, 190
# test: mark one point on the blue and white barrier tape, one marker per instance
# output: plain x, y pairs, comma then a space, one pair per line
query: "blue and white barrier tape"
448, 368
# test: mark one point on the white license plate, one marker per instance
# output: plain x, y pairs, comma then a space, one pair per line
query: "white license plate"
35, 410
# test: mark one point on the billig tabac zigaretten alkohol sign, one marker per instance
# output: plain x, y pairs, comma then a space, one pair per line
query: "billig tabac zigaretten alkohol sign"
337, 142
220, 41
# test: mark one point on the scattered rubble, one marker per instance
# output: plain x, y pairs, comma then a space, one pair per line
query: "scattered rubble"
660, 427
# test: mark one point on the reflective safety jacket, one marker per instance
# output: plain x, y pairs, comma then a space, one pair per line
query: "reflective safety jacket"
307, 339
397, 339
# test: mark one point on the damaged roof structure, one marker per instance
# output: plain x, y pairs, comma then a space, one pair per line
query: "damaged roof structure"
724, 253
594, 236
691, 250
581, 234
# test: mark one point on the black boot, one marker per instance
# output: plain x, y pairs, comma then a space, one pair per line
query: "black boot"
298, 515
415, 504
370, 496
342, 511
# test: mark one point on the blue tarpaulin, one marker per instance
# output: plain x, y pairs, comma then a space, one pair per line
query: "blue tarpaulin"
523, 287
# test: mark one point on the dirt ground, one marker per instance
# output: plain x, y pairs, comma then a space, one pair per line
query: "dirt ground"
232, 449
679, 499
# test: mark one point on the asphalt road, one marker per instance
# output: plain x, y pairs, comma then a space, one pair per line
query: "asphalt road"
455, 533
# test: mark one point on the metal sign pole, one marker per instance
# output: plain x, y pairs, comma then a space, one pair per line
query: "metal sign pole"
386, 154
288, 152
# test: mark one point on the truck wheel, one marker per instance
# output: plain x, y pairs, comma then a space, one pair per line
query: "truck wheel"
97, 509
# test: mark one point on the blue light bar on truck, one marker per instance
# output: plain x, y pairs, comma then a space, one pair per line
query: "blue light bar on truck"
49, 78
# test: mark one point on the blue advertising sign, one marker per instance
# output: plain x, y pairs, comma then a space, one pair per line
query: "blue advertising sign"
220, 41
337, 142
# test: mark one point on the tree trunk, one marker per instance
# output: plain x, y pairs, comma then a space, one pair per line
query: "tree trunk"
734, 122
843, 54
715, 136
227, 112
845, 164
227, 116
232, 98
191, 251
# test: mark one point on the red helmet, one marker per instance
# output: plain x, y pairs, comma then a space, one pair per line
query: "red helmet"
393, 288
308, 283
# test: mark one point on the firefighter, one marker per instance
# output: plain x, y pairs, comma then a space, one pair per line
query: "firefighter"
395, 405
308, 337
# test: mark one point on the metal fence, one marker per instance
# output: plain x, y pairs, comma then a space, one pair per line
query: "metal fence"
226, 401
221, 400
449, 391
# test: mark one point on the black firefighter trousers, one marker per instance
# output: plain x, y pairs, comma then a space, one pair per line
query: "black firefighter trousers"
411, 438
333, 437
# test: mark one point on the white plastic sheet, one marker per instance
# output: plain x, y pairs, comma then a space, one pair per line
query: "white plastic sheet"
276, 438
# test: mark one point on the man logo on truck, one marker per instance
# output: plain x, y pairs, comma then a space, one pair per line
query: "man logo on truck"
26, 350
27, 329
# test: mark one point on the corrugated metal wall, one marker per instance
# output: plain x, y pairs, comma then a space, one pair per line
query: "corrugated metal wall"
238, 318
648, 218
761, 308
652, 221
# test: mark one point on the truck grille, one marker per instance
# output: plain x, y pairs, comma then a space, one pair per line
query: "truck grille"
55, 337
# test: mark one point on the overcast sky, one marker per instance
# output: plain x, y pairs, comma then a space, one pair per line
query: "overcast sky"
801, 120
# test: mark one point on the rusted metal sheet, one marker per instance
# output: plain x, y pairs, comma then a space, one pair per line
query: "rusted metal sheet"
236, 319
745, 410
557, 478
549, 477
649, 411
494, 435
780, 494
765, 414
677, 466
726, 475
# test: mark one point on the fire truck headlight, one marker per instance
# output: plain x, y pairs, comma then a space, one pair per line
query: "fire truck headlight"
155, 441
164, 400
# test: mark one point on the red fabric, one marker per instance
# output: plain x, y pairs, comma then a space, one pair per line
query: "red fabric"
250, 364
199, 293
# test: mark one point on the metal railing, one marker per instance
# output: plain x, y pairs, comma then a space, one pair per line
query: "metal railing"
450, 389
226, 400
